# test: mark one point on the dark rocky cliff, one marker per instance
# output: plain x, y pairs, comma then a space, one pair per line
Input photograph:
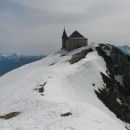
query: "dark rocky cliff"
116, 92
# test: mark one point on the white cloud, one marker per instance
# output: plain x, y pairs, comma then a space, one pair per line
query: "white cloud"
40, 26
74, 6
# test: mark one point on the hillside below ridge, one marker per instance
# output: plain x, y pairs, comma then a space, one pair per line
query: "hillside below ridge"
57, 92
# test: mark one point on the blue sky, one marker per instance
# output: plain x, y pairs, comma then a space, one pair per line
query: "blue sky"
35, 26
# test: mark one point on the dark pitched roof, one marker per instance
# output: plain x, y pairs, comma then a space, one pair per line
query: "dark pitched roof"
64, 36
76, 34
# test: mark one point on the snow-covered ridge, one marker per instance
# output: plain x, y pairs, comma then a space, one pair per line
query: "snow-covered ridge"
54, 94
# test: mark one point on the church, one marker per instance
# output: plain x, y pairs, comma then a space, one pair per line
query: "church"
74, 41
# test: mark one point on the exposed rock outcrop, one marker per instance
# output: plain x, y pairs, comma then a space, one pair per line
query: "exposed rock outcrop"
116, 92
78, 56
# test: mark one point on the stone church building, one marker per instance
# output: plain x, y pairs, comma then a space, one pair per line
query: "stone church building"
74, 41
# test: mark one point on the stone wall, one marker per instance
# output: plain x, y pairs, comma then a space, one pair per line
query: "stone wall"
72, 44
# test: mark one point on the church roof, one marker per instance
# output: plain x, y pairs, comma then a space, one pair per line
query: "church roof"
76, 34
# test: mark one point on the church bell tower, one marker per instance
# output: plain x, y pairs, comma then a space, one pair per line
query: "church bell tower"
64, 38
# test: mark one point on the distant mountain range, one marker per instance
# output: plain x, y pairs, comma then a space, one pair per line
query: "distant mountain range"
125, 49
9, 62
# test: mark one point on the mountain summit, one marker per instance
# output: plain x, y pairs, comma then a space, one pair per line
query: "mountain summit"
67, 91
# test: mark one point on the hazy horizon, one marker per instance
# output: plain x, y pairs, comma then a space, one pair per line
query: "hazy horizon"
33, 27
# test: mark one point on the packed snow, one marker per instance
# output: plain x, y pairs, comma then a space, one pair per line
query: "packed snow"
66, 88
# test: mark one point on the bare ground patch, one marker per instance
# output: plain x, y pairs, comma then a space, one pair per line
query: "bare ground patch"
66, 114
51, 64
40, 89
10, 115
78, 56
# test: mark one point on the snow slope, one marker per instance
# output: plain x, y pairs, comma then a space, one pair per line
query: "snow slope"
68, 88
